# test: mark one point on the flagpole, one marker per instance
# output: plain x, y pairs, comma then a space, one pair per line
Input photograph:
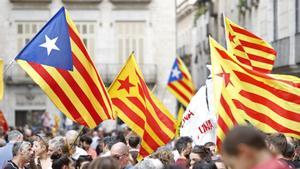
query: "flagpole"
9, 65
79, 134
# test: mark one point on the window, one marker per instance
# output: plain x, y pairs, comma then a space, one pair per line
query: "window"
26, 31
87, 33
130, 37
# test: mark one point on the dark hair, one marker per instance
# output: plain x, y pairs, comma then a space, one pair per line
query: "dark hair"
242, 135
181, 143
81, 159
203, 152
104, 163
279, 142
290, 151
209, 144
113, 140
58, 160
88, 140
204, 165
134, 141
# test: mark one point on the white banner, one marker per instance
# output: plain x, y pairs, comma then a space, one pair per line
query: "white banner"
199, 120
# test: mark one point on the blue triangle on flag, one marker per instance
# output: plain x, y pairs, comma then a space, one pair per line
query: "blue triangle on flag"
176, 73
51, 45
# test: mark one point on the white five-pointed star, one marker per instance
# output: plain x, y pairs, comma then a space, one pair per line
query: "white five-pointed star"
175, 73
50, 44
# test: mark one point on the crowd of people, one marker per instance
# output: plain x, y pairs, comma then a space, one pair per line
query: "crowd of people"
243, 148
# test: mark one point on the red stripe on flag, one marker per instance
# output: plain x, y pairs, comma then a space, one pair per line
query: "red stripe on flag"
219, 144
258, 47
277, 92
227, 109
222, 125
262, 70
59, 92
150, 120
243, 60
86, 76
143, 152
224, 55
165, 119
294, 116
263, 118
81, 95
128, 112
179, 92
184, 85
240, 48
260, 59
150, 141
244, 32
79, 43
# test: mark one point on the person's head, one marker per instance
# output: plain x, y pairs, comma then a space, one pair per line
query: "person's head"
200, 153
15, 136
165, 156
134, 141
211, 146
23, 151
71, 136
184, 146
104, 163
40, 145
204, 165
81, 160
85, 142
242, 147
277, 143
120, 152
150, 163
60, 161
57, 144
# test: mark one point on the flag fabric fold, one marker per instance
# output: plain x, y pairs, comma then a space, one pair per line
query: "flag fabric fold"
57, 60
244, 96
180, 82
250, 50
134, 104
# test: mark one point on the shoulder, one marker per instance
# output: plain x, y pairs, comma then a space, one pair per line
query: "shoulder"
10, 165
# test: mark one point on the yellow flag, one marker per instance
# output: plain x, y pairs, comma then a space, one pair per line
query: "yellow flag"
136, 105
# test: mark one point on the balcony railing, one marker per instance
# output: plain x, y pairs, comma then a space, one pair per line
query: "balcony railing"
130, 1
38, 1
81, 1
15, 75
282, 47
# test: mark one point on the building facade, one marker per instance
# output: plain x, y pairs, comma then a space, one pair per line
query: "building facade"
110, 29
276, 21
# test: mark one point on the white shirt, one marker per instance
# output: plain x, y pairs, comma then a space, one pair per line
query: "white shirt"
78, 152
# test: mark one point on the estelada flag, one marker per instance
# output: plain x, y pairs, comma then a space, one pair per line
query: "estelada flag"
3, 122
268, 102
250, 50
57, 60
180, 82
135, 104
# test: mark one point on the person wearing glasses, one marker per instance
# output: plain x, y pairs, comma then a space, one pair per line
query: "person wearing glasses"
22, 154
40, 148
120, 152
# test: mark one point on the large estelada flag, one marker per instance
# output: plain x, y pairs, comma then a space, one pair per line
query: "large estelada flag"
140, 109
57, 60
250, 50
269, 102
180, 82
